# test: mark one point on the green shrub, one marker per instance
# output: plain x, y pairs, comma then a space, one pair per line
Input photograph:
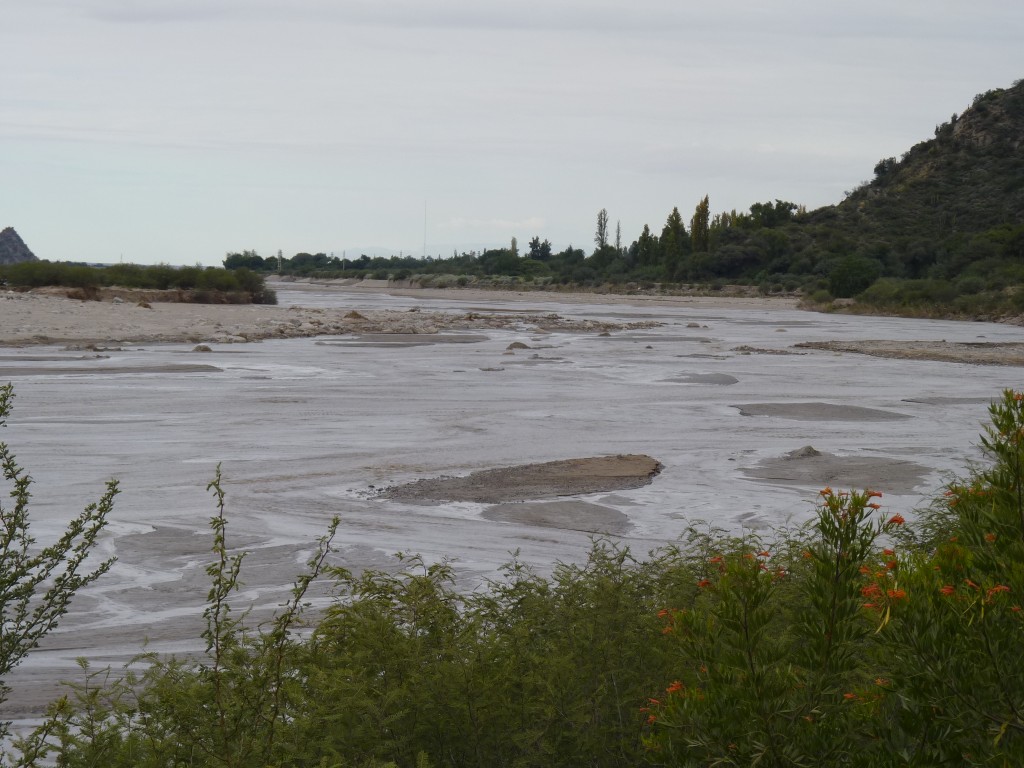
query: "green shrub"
158, 277
37, 583
853, 275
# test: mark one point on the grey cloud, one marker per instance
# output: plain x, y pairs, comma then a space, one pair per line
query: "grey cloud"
877, 19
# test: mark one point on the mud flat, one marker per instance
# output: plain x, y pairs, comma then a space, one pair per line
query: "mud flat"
569, 477
42, 318
975, 353
807, 466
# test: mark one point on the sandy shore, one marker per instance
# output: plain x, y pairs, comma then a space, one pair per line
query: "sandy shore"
45, 317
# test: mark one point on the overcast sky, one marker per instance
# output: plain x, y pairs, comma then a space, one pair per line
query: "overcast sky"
178, 130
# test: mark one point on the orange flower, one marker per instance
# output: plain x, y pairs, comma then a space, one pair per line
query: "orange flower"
990, 537
997, 588
896, 594
666, 630
870, 606
715, 560
872, 505
897, 519
766, 553
881, 681
971, 584
947, 590
674, 687
870, 590
874, 494
891, 565
849, 696
807, 555
663, 613
703, 583
864, 569
826, 491
655, 702
651, 719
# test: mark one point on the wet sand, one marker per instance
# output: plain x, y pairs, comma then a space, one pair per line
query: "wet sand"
528, 482
48, 317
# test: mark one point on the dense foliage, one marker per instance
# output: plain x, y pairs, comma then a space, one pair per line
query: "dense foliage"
938, 231
198, 284
858, 640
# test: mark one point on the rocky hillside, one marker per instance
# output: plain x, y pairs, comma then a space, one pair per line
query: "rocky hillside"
13, 248
931, 203
949, 212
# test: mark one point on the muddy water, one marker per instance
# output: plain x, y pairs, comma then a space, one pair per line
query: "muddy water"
305, 429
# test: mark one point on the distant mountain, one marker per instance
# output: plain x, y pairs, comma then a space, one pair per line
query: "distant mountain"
13, 248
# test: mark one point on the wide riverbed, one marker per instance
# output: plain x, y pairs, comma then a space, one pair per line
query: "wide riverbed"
309, 428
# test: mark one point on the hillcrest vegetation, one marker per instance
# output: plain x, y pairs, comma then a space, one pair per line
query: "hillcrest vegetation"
859, 639
937, 232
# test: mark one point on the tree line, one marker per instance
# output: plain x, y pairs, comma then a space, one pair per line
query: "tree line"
196, 284
675, 254
939, 230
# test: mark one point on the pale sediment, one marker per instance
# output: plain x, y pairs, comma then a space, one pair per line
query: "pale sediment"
530, 482
30, 318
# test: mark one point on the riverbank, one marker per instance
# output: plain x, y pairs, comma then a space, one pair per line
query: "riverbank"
46, 317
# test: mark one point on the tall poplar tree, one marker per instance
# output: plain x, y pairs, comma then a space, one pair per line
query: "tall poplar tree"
601, 235
700, 227
647, 248
675, 243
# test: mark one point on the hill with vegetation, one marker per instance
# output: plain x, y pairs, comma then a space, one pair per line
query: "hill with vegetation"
942, 224
939, 231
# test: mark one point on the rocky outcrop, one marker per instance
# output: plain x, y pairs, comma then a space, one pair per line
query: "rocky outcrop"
13, 248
